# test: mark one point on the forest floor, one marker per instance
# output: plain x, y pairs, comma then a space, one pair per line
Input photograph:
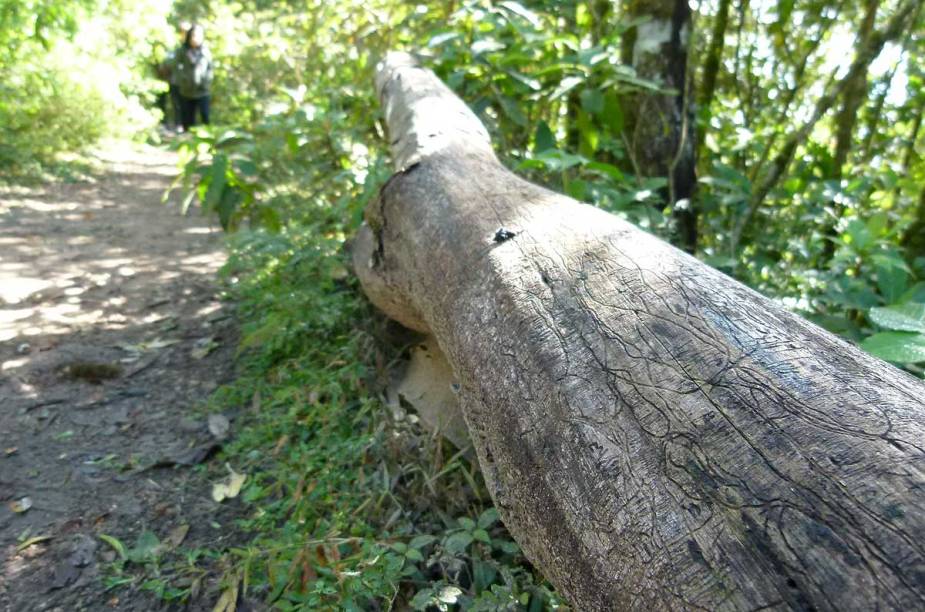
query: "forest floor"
112, 334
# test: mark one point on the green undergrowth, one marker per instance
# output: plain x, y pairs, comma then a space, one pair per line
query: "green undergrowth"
350, 503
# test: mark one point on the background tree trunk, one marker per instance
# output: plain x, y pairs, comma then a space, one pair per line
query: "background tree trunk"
657, 125
914, 237
711, 66
654, 434
846, 120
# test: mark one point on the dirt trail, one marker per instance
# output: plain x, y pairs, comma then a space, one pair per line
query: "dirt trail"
111, 331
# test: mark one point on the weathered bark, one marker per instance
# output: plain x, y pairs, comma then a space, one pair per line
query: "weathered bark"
654, 434
657, 125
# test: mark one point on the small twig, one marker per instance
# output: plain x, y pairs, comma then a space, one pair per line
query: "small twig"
142, 366
43, 403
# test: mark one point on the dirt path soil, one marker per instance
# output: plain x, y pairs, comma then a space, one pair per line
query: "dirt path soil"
111, 333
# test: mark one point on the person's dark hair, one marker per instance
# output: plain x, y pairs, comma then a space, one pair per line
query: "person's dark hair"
189, 34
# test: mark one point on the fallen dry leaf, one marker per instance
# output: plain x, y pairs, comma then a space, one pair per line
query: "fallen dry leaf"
159, 343
203, 347
283, 441
219, 426
228, 602
177, 535
32, 541
141, 347
230, 487
21, 505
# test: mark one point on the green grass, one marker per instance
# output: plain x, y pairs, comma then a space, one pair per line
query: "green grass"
350, 504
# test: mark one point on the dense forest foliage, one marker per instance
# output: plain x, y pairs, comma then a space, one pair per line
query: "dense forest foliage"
780, 141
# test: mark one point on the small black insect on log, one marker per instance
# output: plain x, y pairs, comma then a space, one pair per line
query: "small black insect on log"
503, 235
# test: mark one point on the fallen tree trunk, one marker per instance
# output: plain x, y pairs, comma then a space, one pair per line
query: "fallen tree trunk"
653, 433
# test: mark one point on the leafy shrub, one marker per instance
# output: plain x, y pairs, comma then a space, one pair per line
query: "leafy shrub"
44, 111
71, 73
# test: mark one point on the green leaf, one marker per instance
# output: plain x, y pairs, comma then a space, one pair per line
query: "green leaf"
488, 518
292, 142
915, 293
533, 84
577, 189
521, 11
567, 85
231, 138
857, 235
483, 574
512, 110
590, 138
544, 139
557, 160
458, 542
184, 207
903, 317
626, 75
246, 167
217, 182
227, 207
421, 541
422, 599
537, 603
506, 546
466, 523
892, 277
878, 224
592, 101
203, 187
486, 45
439, 39
116, 545
146, 548
901, 347
269, 218
481, 535
613, 113
607, 170
892, 283
400, 547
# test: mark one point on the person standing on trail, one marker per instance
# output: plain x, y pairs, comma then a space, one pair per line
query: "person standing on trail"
170, 73
193, 66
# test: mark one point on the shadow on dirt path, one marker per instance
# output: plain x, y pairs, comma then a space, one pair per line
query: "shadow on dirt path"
111, 331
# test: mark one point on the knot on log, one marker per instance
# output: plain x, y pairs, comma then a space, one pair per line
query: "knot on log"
503, 235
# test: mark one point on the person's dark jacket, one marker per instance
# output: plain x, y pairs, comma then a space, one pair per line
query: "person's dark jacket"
193, 71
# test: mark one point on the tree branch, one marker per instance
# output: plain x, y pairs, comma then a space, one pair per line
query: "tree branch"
903, 17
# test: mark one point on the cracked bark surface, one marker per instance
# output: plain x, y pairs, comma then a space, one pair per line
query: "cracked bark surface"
654, 434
